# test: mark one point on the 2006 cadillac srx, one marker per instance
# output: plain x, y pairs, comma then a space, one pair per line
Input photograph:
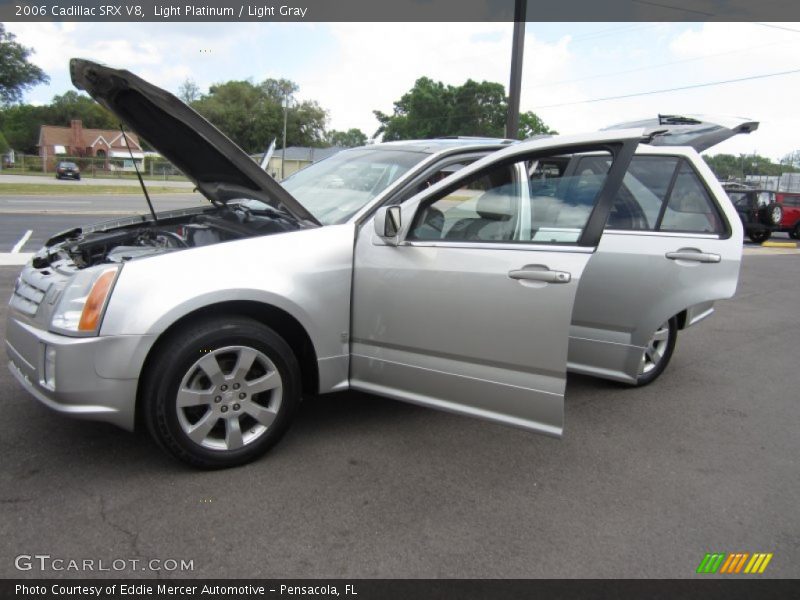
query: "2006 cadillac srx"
464, 274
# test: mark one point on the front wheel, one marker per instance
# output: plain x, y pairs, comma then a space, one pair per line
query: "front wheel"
759, 237
222, 393
658, 352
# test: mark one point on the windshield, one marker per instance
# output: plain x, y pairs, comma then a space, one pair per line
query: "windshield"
334, 189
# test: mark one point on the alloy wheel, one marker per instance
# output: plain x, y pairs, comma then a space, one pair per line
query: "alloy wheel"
655, 350
229, 398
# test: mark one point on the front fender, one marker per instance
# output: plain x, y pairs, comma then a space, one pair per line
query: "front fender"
304, 273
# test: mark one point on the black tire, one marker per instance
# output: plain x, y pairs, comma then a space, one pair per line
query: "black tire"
771, 214
178, 357
651, 375
759, 237
78, 178
795, 233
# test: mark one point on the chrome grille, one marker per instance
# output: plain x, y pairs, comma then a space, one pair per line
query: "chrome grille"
29, 292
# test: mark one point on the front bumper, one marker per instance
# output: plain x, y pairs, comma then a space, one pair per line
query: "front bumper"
90, 378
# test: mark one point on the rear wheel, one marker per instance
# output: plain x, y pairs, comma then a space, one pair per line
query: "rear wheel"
759, 237
222, 393
658, 352
795, 233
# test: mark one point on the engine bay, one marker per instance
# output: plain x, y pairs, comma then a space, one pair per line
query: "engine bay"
139, 237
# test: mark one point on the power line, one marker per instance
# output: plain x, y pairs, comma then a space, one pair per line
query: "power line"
675, 8
771, 26
675, 89
659, 65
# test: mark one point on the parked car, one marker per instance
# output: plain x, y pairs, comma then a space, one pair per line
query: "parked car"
68, 170
463, 274
790, 220
758, 210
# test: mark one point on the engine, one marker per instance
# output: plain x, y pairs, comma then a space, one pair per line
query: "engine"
134, 238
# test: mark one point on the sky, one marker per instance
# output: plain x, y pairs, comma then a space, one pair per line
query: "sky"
352, 69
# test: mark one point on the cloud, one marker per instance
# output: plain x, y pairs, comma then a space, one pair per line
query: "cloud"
352, 69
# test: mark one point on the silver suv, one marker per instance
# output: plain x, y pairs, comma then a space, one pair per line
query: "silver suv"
466, 275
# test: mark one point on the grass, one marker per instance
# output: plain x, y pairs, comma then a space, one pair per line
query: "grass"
57, 189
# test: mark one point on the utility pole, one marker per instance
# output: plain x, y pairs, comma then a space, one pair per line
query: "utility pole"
285, 118
517, 47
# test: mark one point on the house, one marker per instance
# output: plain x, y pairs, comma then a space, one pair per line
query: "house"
297, 157
75, 141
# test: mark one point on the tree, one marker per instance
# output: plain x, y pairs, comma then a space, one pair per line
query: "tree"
433, 109
346, 139
728, 166
531, 124
73, 105
4, 147
189, 91
792, 159
21, 122
251, 115
17, 74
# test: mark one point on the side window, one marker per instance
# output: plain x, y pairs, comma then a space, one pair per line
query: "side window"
638, 202
534, 201
560, 204
483, 209
689, 207
433, 177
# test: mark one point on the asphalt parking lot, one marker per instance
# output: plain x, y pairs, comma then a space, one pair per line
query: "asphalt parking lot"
644, 483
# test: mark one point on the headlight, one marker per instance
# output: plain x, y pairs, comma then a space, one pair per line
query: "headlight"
83, 302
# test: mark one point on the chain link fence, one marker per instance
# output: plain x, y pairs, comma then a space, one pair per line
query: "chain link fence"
151, 167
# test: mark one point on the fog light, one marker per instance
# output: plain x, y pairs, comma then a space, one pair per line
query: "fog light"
50, 366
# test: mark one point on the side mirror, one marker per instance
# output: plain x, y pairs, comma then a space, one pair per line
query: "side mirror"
387, 223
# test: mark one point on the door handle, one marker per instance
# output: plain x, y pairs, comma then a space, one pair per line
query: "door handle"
703, 257
547, 276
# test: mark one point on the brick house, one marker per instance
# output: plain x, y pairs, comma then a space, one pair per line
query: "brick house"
77, 141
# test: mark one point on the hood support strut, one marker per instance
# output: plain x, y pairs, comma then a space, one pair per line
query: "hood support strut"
139, 175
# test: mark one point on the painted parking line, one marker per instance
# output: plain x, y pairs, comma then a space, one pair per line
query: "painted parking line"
14, 260
18, 246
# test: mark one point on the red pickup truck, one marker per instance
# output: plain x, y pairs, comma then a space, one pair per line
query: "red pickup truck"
790, 221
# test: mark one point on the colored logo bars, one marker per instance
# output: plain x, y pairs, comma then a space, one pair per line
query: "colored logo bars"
734, 562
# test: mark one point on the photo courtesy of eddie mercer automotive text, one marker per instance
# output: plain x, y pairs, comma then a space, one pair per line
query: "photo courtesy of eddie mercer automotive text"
465, 274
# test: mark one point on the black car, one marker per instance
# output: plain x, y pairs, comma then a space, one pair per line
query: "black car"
68, 170
758, 210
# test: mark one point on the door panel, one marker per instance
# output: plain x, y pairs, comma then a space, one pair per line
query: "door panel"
658, 270
612, 323
470, 310
456, 331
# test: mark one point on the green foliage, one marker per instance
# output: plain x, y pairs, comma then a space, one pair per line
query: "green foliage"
728, 166
792, 159
531, 124
17, 74
432, 109
252, 115
20, 123
346, 139
4, 147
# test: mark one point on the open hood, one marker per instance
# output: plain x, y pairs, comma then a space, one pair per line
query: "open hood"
698, 131
220, 169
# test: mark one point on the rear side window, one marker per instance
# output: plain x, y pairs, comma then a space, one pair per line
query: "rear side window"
646, 184
656, 197
689, 207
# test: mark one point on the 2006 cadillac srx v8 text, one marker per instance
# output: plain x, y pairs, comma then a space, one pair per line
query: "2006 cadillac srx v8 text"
464, 274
